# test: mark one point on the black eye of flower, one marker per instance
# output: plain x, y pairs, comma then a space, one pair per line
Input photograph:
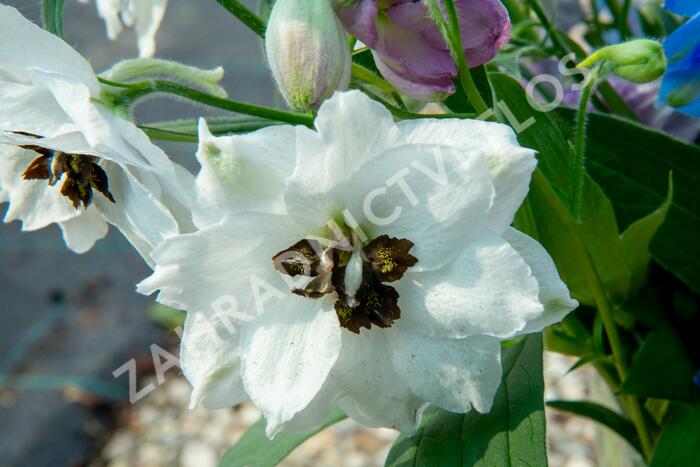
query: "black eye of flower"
80, 172
384, 259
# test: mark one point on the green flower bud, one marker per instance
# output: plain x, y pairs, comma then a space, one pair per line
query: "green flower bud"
639, 61
307, 51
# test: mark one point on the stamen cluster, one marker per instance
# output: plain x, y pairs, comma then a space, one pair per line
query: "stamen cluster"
371, 302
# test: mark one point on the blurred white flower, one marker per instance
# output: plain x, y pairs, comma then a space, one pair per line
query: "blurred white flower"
396, 273
66, 158
143, 15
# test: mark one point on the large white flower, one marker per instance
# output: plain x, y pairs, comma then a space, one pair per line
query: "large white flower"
396, 273
67, 159
144, 16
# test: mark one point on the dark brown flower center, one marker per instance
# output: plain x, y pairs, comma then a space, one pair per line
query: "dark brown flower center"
80, 173
384, 259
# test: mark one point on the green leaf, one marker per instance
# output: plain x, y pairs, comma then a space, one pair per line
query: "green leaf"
513, 433
678, 443
603, 415
631, 163
661, 369
637, 238
52, 16
590, 358
254, 449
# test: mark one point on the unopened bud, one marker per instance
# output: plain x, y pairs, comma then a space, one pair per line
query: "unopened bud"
307, 51
639, 61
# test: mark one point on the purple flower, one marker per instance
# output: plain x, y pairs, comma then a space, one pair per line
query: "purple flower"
408, 48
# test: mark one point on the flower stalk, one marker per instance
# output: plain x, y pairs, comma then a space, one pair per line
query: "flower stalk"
579, 166
451, 34
245, 15
138, 90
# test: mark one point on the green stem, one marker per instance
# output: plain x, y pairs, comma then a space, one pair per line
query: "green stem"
622, 24
52, 16
137, 90
363, 74
452, 37
633, 404
186, 130
611, 97
549, 27
580, 250
465, 77
579, 165
403, 114
245, 15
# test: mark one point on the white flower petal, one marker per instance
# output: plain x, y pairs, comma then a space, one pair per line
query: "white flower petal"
211, 362
288, 352
35, 111
510, 164
370, 389
95, 123
430, 195
81, 232
243, 172
352, 129
24, 45
315, 414
232, 259
137, 212
454, 374
488, 289
553, 293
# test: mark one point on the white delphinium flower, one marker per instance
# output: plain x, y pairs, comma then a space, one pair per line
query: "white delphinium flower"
66, 158
382, 274
144, 16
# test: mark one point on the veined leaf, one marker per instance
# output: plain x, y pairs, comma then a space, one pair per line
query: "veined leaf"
254, 449
636, 239
661, 369
603, 415
678, 444
513, 433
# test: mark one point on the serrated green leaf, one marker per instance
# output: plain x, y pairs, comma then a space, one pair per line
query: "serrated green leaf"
661, 369
636, 239
678, 444
603, 415
52, 16
254, 449
512, 434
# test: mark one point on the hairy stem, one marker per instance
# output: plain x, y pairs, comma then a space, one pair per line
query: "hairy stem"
579, 166
140, 89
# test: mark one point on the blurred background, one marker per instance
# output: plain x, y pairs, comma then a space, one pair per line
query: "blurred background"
69, 321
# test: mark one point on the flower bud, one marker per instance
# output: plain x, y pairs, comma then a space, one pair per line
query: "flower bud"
307, 51
639, 61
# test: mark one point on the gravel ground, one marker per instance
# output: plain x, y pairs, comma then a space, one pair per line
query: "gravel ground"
161, 432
